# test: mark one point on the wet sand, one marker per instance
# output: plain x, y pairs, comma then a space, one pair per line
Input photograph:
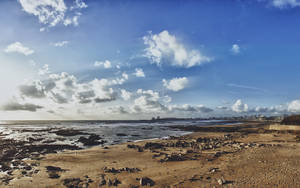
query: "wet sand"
247, 155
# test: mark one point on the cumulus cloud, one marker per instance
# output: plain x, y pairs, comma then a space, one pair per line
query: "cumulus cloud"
72, 20
164, 46
52, 12
60, 44
18, 48
126, 95
79, 4
15, 106
294, 106
235, 49
176, 84
63, 88
285, 3
106, 64
33, 90
148, 101
44, 70
239, 106
189, 108
139, 72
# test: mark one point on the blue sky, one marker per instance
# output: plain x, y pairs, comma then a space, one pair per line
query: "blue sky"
193, 57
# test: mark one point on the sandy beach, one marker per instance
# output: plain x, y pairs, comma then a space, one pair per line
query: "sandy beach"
246, 155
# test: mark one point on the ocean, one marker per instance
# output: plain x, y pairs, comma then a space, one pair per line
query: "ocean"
112, 132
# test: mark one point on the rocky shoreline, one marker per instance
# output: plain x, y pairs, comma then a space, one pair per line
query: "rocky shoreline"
209, 157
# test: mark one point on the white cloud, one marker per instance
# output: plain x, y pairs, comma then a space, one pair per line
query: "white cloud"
235, 49
176, 84
60, 44
285, 3
42, 29
164, 46
167, 99
18, 48
79, 4
44, 70
139, 72
73, 20
126, 95
106, 64
294, 106
52, 12
64, 88
239, 106
148, 101
189, 108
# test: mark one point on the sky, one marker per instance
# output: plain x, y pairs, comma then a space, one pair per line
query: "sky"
137, 59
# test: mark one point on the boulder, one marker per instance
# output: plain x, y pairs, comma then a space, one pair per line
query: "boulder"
145, 181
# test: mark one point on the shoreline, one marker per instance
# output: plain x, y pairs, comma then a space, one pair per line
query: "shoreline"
207, 158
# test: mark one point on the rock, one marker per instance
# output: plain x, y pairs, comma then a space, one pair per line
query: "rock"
102, 180
72, 182
125, 169
53, 175
221, 181
116, 182
54, 168
212, 170
140, 149
52, 171
173, 157
110, 183
111, 170
92, 140
68, 132
153, 145
132, 146
121, 134
145, 181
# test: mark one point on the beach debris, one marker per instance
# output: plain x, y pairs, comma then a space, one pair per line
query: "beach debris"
145, 181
